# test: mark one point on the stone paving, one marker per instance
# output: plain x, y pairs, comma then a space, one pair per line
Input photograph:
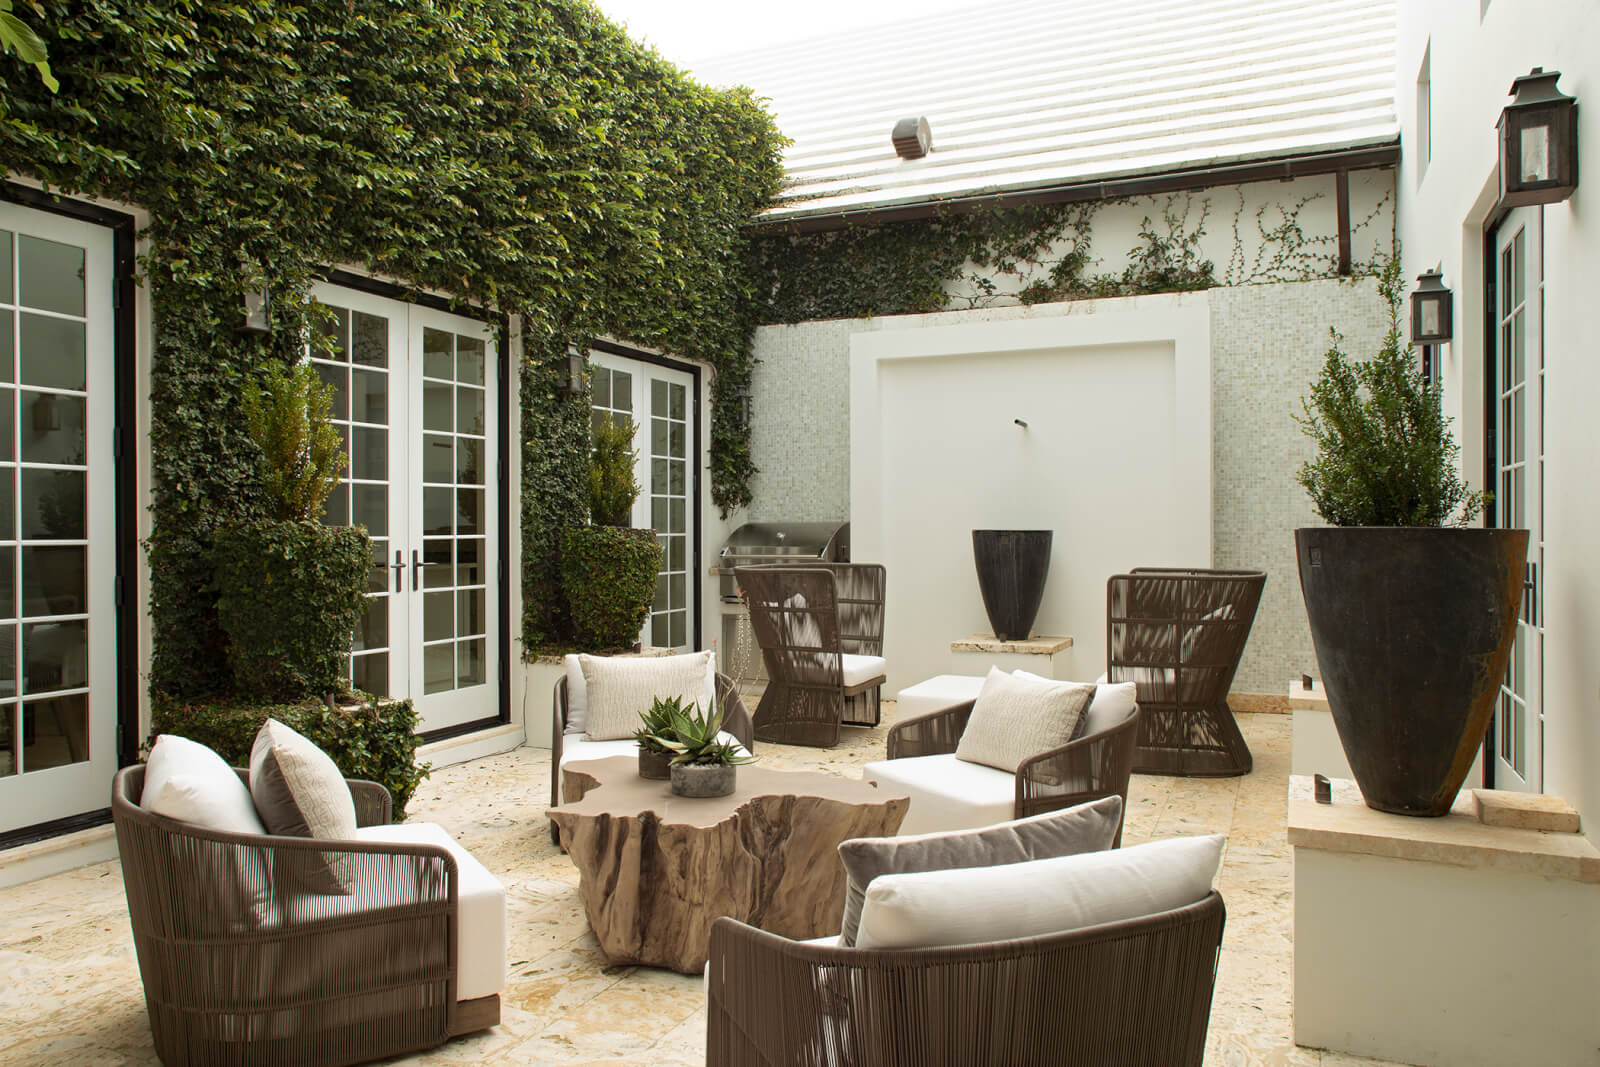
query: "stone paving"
72, 994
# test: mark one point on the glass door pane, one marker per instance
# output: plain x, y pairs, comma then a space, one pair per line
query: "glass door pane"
57, 530
670, 482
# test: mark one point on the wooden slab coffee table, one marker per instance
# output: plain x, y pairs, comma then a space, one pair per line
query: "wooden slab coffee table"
656, 870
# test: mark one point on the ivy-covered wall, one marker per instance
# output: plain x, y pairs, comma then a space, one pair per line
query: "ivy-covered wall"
520, 154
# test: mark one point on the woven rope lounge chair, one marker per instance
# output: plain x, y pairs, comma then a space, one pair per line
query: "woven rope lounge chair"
242, 966
949, 794
820, 628
1135, 993
1178, 636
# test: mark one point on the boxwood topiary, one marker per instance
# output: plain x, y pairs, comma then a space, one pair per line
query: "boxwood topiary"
609, 574
376, 741
289, 595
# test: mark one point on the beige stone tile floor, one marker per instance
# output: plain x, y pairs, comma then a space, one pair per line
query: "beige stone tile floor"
71, 991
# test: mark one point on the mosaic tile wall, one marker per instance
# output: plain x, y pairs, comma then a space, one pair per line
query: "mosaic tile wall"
1267, 344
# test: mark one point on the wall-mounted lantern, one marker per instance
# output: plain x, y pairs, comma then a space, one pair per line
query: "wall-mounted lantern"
743, 406
46, 414
257, 311
576, 365
1431, 310
1538, 142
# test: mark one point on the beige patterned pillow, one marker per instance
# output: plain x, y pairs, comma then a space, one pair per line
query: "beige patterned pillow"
620, 688
299, 792
1015, 718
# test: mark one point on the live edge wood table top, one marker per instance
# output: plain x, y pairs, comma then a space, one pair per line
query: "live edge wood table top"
656, 870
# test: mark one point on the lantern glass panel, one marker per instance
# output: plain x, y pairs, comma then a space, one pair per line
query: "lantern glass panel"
1534, 156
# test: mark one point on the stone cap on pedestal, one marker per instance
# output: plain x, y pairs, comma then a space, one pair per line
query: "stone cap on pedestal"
1031, 646
1458, 839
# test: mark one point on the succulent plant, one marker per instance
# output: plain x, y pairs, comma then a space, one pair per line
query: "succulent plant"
693, 735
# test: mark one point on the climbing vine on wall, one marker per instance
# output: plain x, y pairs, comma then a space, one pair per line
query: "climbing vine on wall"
1032, 254
519, 154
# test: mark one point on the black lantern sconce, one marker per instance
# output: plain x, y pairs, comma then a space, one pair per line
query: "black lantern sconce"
576, 366
257, 312
742, 406
1538, 142
46, 414
1431, 310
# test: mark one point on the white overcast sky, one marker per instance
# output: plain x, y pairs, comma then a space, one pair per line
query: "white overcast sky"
687, 30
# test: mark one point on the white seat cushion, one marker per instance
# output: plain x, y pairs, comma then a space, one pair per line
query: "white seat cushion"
978, 905
858, 669
946, 793
937, 693
481, 942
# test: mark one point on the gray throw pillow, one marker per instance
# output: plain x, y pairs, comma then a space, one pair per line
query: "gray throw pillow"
1087, 827
299, 792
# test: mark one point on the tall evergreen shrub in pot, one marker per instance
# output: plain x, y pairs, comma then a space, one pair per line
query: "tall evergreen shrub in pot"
608, 570
289, 589
1412, 613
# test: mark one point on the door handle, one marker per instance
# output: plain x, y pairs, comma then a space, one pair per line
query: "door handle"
416, 568
399, 569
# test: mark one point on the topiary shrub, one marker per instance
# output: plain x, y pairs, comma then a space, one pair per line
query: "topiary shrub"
289, 595
376, 741
1385, 455
609, 575
290, 590
612, 486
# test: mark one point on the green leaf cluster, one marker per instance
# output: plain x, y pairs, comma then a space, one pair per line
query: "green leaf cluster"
1385, 454
656, 723
609, 574
17, 36
612, 486
288, 416
376, 740
521, 155
691, 735
288, 597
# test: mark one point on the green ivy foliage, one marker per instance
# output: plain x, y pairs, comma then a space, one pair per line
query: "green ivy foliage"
609, 573
521, 154
376, 741
289, 595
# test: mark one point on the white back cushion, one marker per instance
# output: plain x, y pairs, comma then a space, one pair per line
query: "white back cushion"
982, 904
1111, 704
619, 688
578, 691
186, 780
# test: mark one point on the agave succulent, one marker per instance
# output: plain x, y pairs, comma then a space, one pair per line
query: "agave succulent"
693, 737
657, 724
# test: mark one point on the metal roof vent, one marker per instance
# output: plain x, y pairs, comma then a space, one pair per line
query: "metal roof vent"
912, 138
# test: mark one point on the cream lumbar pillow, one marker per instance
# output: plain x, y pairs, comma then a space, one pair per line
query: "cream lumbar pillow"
620, 688
977, 905
1014, 718
299, 792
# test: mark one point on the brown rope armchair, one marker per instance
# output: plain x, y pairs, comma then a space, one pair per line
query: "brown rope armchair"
1135, 993
820, 628
1096, 763
241, 967
1178, 635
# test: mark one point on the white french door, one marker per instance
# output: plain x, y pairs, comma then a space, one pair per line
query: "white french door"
660, 402
1519, 488
58, 700
417, 401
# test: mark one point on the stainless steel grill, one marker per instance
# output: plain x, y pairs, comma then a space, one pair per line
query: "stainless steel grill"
768, 542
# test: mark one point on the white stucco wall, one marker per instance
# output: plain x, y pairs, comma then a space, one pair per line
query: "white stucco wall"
1442, 212
1265, 344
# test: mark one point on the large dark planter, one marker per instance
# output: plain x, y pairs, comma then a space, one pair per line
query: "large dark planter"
1413, 629
1012, 566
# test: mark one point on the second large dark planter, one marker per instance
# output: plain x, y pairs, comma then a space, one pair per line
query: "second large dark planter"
1413, 628
1012, 566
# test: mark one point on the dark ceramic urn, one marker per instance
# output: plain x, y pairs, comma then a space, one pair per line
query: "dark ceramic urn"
1413, 628
1012, 567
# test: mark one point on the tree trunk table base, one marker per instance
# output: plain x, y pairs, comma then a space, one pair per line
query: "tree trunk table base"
656, 870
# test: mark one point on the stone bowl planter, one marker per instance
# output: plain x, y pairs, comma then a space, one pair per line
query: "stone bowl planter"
654, 765
703, 779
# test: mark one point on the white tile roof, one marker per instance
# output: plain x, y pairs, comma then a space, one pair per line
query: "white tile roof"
1037, 94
